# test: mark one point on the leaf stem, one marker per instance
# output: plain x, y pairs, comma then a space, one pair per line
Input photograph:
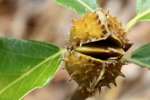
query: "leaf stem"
136, 19
85, 5
138, 62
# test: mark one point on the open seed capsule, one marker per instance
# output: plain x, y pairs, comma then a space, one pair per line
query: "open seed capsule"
96, 46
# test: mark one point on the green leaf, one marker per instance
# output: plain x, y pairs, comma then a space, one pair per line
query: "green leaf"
143, 13
80, 6
141, 56
142, 7
145, 18
26, 65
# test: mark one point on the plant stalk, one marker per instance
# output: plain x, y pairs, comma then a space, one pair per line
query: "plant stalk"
136, 19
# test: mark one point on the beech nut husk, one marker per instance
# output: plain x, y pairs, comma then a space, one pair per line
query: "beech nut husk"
97, 44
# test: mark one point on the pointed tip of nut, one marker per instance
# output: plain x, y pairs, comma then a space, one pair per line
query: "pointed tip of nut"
108, 86
115, 84
121, 74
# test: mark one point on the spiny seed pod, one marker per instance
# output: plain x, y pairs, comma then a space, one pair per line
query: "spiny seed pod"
96, 45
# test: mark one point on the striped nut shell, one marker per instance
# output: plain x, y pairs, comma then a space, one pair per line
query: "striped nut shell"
96, 45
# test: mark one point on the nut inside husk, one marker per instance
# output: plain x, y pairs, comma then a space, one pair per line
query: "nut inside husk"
96, 45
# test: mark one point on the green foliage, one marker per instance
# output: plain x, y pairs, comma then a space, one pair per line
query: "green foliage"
143, 13
146, 17
25, 65
143, 6
141, 56
80, 6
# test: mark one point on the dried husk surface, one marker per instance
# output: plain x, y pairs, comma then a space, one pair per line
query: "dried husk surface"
97, 44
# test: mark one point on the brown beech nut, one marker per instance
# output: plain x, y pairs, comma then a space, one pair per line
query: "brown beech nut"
96, 45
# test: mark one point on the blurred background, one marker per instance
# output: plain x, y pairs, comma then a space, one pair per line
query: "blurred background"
44, 20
